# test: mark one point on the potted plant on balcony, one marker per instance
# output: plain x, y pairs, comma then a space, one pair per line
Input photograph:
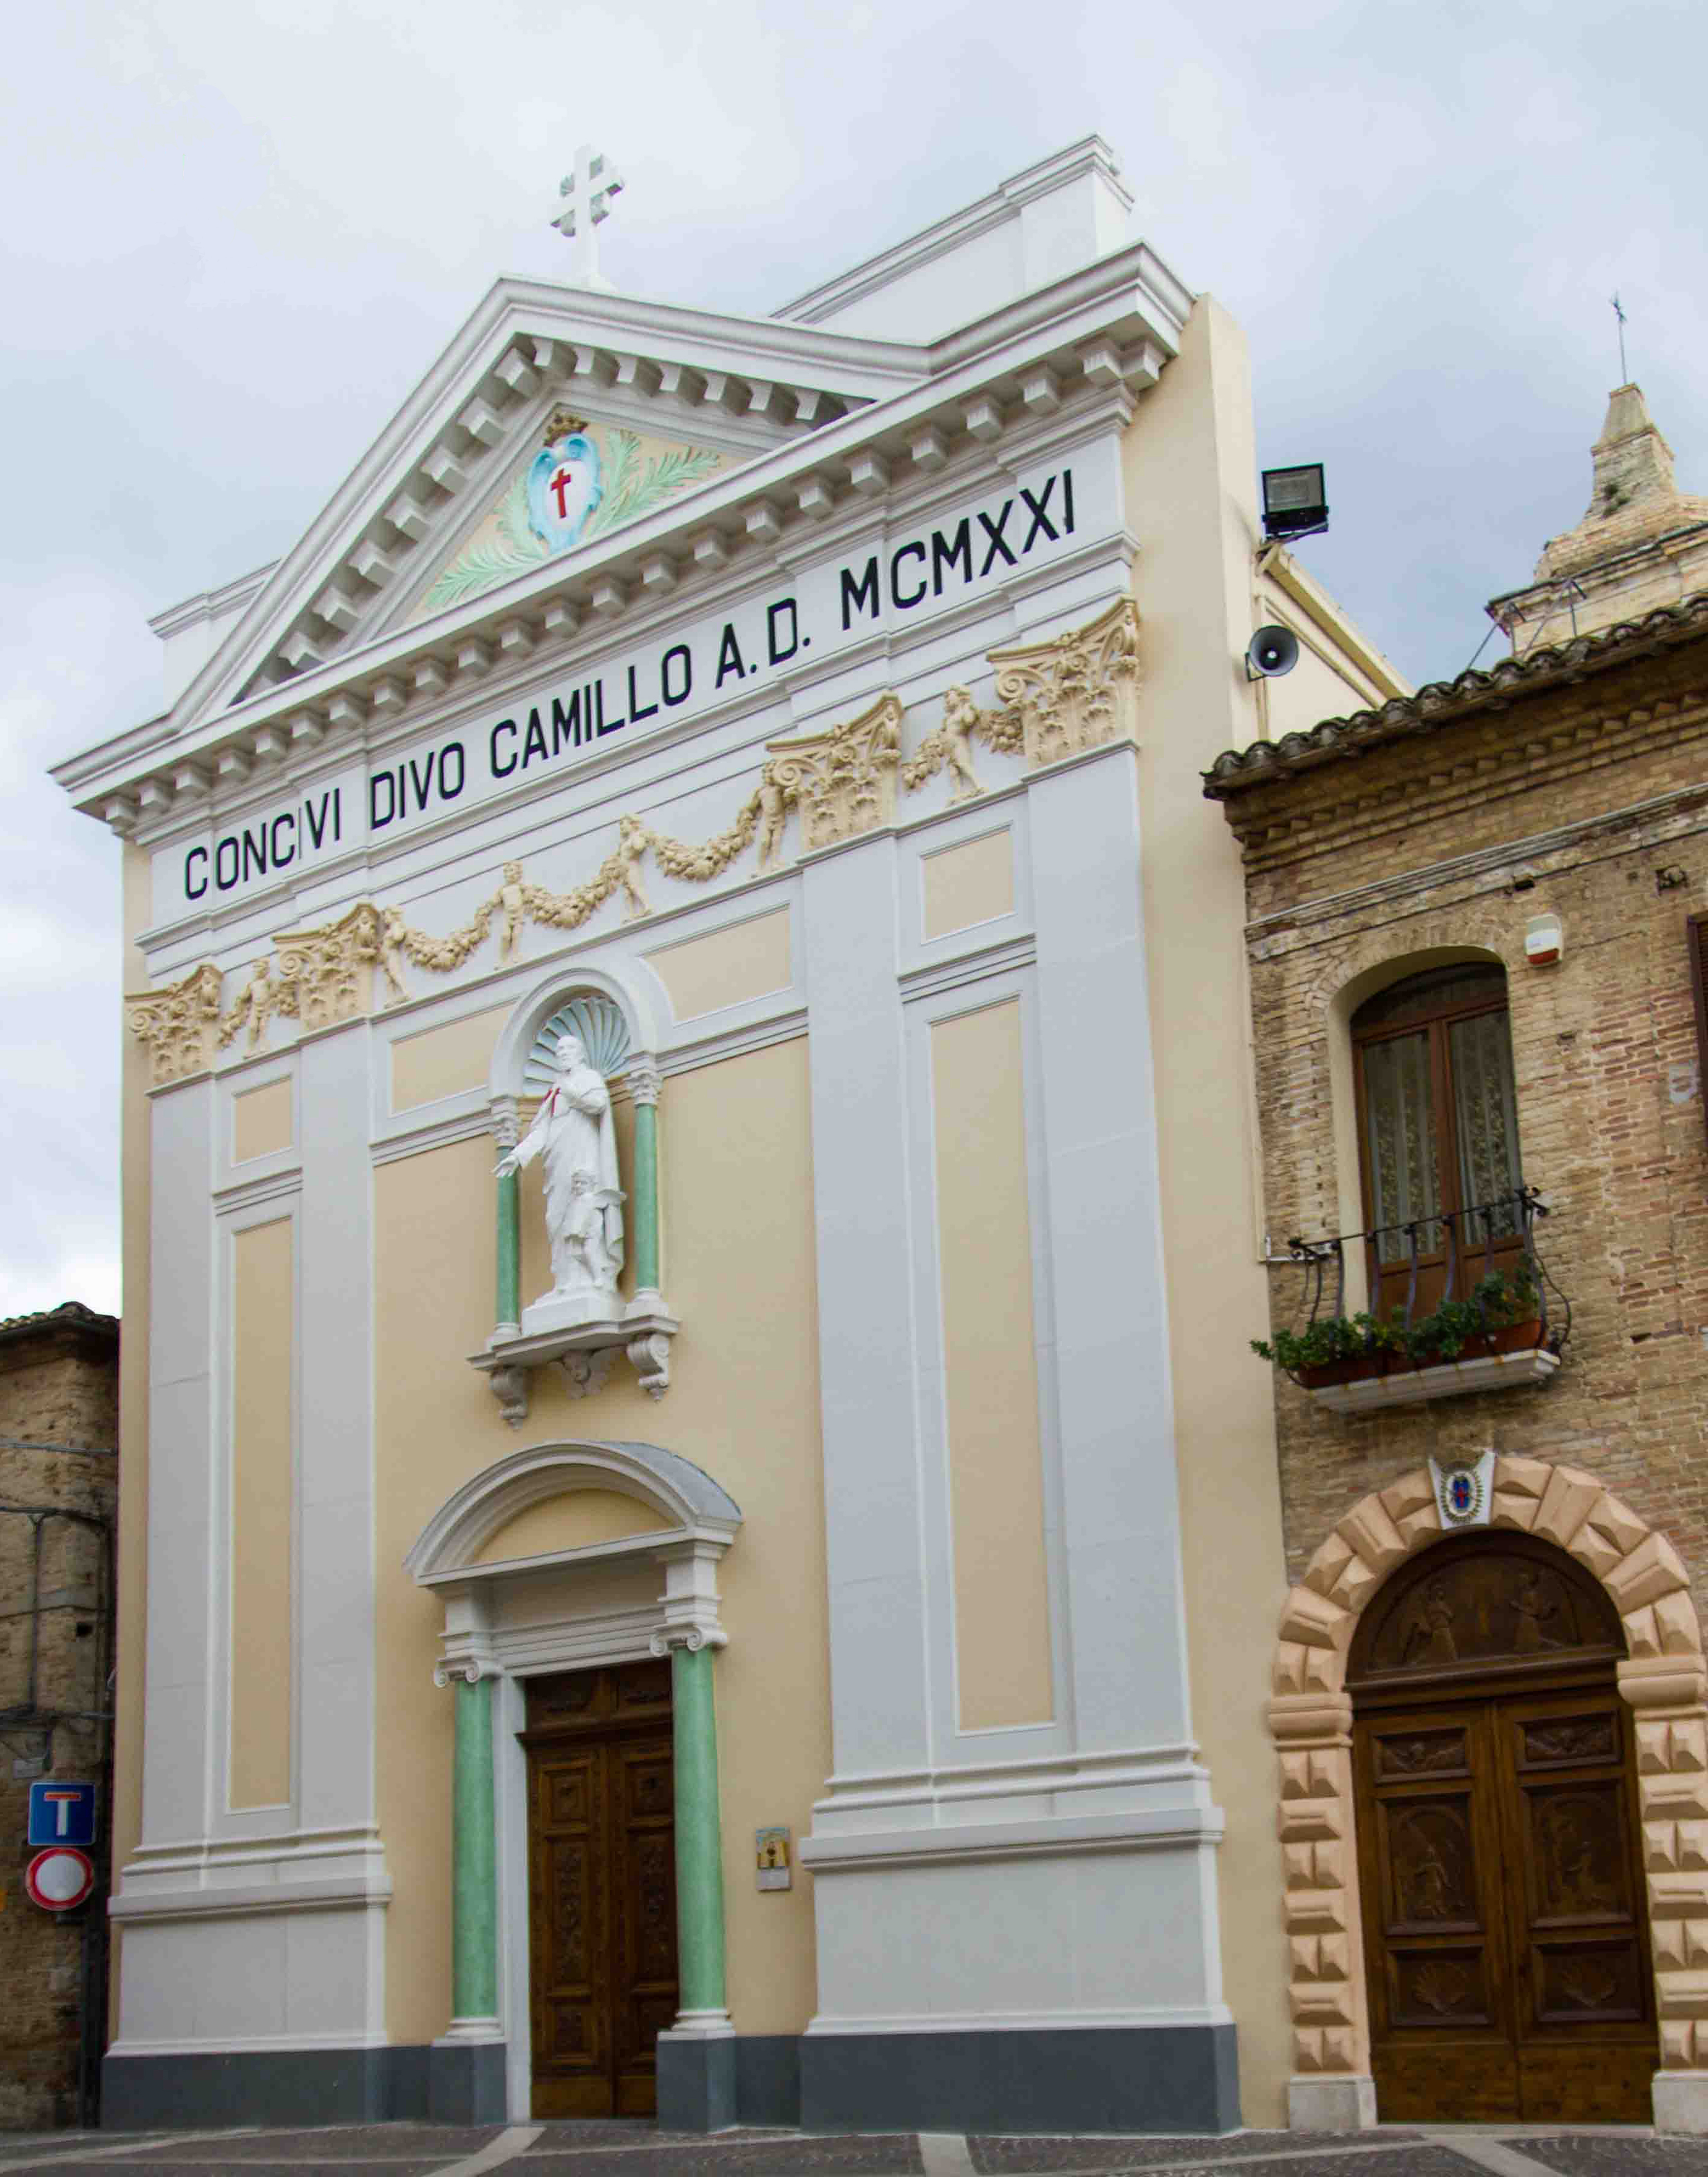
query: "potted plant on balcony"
1335, 1349
1501, 1314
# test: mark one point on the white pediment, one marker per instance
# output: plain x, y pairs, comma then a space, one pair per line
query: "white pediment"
663, 402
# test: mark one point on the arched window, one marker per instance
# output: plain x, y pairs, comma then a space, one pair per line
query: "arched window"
1438, 1132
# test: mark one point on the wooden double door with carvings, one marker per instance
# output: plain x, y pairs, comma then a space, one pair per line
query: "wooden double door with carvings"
1505, 1931
602, 1887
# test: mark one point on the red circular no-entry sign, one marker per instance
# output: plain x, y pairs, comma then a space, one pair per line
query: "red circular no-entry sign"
59, 1877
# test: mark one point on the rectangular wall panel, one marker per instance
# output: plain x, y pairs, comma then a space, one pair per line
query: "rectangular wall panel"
263, 1337
990, 1371
444, 1061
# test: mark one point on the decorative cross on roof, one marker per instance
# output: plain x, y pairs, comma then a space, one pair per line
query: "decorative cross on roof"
584, 200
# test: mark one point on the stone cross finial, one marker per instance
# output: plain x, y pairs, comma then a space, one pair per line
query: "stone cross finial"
585, 196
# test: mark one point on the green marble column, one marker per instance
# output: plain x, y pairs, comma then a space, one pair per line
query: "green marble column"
699, 1838
510, 1251
643, 1187
474, 1859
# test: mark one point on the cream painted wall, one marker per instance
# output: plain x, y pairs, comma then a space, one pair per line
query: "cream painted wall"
572, 1522
1192, 579
132, 1544
1002, 1654
442, 1062
743, 960
261, 1121
736, 1174
263, 1349
973, 882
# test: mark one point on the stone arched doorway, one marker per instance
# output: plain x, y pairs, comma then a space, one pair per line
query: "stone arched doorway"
1505, 1937
1660, 1677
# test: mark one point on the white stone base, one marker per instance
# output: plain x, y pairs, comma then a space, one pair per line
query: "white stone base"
1681, 2101
1344, 2104
569, 1311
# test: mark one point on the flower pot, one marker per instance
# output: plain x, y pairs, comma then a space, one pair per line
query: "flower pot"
1352, 1370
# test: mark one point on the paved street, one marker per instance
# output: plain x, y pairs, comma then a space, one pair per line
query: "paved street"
641, 2150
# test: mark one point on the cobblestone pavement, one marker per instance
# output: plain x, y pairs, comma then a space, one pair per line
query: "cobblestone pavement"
641, 2150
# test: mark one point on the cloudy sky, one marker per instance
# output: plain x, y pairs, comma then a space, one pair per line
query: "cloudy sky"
237, 230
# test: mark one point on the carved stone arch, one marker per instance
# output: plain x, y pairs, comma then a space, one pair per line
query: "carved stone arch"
1662, 1677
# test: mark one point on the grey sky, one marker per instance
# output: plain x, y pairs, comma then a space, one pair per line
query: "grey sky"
237, 232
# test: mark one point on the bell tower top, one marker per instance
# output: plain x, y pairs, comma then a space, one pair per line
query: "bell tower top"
1641, 544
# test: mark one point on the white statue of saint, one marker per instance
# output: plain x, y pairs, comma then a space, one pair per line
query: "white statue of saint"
584, 1205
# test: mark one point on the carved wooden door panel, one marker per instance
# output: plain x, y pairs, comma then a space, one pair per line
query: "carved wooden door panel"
1583, 1991
602, 1888
1505, 1945
1441, 2011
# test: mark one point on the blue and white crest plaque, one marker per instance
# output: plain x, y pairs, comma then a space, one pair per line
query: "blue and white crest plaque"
565, 483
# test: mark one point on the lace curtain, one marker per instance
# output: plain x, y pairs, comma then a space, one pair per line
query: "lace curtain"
1485, 1115
1399, 1121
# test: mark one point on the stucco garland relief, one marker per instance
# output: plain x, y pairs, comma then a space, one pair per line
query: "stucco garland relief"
1056, 699
1311, 1716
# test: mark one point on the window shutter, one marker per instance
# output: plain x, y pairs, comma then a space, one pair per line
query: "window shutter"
1696, 929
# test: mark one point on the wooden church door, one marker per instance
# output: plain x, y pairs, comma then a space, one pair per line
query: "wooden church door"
1505, 1933
602, 1887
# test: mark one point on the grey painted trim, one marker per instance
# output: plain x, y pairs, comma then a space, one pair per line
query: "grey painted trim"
767, 2079
268, 2087
1154, 2078
696, 2081
466, 2082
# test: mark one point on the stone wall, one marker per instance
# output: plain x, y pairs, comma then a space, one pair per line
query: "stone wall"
58, 1433
1587, 801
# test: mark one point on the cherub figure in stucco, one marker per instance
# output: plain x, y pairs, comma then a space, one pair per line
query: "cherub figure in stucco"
573, 1130
960, 722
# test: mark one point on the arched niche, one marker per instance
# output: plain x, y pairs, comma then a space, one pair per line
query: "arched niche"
614, 1020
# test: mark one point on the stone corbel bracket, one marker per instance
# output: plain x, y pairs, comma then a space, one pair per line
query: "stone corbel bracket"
585, 1355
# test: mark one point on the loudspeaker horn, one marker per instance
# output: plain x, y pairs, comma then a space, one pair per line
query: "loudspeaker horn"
1274, 650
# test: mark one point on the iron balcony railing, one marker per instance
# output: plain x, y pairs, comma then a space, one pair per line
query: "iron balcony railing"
1502, 1220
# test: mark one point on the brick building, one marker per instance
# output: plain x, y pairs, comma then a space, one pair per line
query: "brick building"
58, 1486
1471, 922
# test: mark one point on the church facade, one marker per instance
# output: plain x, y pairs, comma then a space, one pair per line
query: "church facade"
729, 1610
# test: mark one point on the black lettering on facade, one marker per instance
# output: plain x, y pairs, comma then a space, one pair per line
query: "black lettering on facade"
282, 857
447, 792
729, 660
958, 552
195, 854
913, 551
376, 822
316, 819
865, 592
1040, 519
635, 711
1067, 502
223, 879
994, 530
566, 725
772, 613
255, 852
606, 725
673, 696
535, 744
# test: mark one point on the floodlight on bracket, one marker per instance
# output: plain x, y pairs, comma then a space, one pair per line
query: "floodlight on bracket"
1295, 503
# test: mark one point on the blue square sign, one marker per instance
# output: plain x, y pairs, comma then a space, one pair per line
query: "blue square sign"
61, 1812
